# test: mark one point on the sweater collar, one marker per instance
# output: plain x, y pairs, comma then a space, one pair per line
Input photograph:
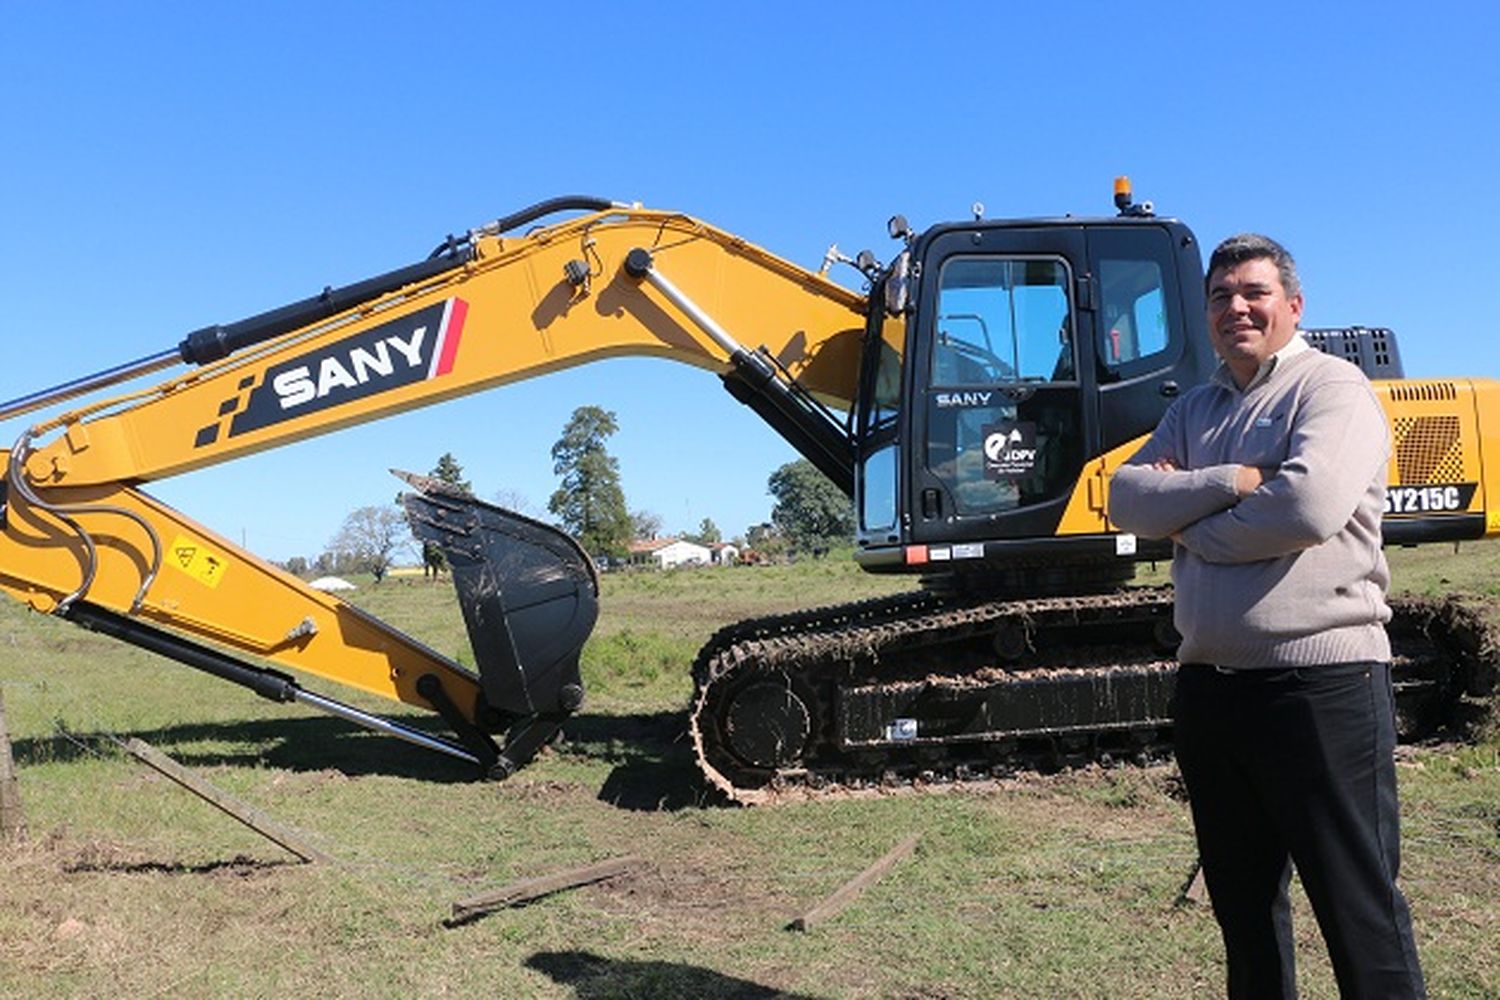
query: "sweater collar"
1288, 350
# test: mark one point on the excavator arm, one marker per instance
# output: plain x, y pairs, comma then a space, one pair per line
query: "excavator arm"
82, 540
599, 286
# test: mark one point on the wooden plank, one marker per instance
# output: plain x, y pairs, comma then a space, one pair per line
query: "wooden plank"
534, 888
851, 890
12, 817
1194, 890
247, 814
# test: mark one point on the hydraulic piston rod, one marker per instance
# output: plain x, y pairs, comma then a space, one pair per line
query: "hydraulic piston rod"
266, 683
381, 724
90, 383
753, 380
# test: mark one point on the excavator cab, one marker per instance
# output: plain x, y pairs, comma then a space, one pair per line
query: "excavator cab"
1028, 349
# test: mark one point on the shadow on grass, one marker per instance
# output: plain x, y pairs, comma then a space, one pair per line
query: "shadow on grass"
294, 744
650, 755
594, 977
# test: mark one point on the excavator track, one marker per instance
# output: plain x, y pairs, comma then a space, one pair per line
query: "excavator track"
925, 689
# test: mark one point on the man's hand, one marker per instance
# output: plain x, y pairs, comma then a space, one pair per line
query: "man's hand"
1249, 479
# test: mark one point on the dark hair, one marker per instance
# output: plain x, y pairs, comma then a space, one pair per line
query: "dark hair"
1253, 246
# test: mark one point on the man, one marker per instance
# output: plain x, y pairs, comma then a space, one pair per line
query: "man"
1270, 480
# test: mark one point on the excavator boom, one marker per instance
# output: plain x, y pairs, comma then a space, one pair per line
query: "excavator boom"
81, 539
505, 309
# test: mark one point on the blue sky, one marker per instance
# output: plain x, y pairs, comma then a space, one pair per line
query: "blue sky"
167, 166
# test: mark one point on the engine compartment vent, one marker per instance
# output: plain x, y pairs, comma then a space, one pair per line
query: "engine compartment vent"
1372, 348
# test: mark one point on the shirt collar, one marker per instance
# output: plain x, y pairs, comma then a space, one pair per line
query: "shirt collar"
1288, 350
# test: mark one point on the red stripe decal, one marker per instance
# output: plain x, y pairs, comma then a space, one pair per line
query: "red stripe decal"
458, 310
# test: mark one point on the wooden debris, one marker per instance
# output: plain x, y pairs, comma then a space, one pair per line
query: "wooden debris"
242, 811
534, 888
12, 818
851, 890
1194, 890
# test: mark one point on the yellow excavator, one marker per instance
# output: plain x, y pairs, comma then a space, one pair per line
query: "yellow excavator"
973, 403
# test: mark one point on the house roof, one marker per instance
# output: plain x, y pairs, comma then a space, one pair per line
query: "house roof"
647, 545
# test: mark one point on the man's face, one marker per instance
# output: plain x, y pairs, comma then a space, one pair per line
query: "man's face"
1250, 316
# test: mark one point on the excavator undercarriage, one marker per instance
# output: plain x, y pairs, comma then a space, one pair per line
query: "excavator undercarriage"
925, 687
922, 690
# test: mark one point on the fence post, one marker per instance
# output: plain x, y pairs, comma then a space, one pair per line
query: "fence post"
12, 819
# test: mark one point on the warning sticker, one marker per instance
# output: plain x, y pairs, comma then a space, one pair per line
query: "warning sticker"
197, 561
1009, 450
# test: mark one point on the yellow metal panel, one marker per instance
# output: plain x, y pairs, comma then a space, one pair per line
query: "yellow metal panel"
1087, 510
1487, 419
1445, 432
517, 317
211, 590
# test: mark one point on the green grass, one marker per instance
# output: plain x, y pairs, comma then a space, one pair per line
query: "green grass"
1058, 885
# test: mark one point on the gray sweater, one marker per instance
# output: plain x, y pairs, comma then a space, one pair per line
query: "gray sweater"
1291, 575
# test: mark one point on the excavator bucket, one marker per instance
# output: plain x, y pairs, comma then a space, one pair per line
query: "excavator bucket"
529, 595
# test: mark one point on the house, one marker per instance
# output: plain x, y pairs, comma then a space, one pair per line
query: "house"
724, 553
667, 553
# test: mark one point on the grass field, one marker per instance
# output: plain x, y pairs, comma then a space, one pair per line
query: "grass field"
1041, 886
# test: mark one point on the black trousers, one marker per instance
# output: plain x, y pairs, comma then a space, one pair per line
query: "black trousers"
1298, 766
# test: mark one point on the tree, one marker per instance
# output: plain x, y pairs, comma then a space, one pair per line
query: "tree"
449, 471
812, 511
590, 502
515, 500
707, 533
369, 540
763, 543
644, 524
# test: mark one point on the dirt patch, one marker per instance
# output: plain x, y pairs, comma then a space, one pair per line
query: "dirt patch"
694, 902
527, 790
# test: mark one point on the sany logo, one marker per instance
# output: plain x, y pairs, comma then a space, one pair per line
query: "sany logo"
298, 386
947, 399
399, 352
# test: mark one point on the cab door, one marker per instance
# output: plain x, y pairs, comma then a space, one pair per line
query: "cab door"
1149, 344
1004, 412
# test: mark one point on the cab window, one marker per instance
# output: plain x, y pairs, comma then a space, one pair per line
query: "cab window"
1002, 320
1135, 317
1002, 409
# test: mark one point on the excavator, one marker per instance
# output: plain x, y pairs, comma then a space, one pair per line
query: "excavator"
972, 400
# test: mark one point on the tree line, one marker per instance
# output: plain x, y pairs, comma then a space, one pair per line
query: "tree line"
810, 513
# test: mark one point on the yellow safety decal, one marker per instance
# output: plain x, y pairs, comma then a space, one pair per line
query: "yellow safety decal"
197, 561
1492, 522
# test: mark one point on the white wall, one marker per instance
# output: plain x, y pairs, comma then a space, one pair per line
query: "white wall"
681, 554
